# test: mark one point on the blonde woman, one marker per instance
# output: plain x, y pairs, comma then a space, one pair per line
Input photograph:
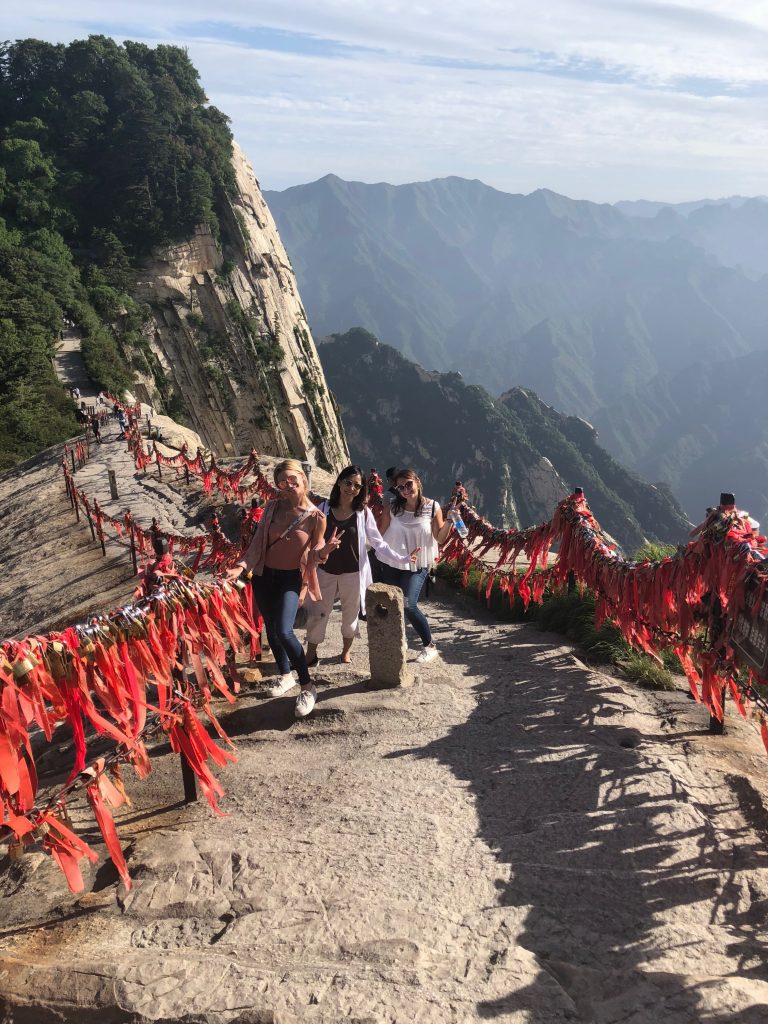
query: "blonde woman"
283, 556
347, 573
411, 521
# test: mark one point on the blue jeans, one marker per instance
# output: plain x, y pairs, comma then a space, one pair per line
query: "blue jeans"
410, 583
276, 592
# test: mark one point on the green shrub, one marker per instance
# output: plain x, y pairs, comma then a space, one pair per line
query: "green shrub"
653, 551
104, 363
646, 672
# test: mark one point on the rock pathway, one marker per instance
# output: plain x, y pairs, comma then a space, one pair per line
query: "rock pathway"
515, 837
69, 366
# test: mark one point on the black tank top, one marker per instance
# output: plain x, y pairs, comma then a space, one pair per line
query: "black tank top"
346, 557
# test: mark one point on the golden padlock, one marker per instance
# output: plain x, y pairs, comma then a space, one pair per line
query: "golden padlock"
24, 666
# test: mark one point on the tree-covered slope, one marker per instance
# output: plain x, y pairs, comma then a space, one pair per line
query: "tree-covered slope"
106, 150
516, 455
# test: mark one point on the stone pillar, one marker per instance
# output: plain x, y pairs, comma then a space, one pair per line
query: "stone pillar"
386, 636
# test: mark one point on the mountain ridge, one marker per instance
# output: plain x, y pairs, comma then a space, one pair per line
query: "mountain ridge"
456, 275
517, 456
127, 211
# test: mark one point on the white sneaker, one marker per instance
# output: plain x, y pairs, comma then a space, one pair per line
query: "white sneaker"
283, 685
428, 654
305, 702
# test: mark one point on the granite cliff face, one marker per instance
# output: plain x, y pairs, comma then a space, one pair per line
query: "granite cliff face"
516, 455
228, 347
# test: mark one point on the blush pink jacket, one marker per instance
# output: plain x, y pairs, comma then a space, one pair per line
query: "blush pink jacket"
255, 556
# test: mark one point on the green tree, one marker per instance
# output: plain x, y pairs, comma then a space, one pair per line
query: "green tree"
106, 151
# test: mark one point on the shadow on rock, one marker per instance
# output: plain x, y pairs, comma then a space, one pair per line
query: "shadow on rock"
616, 873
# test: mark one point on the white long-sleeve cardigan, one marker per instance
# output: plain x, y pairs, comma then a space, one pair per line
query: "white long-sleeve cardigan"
368, 533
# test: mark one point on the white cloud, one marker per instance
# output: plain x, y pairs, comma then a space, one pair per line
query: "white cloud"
655, 40
373, 119
604, 99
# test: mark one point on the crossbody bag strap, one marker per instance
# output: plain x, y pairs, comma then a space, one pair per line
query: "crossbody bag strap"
291, 527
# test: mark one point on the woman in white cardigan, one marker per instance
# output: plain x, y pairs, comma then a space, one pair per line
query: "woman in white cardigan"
347, 573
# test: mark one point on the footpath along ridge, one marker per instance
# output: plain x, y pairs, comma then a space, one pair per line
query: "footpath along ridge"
514, 837
69, 366
53, 571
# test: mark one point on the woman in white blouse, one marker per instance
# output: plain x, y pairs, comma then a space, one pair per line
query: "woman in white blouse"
346, 573
410, 522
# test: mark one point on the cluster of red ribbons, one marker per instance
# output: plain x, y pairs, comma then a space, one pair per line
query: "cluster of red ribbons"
161, 658
131, 411
375, 493
686, 602
78, 451
220, 552
229, 483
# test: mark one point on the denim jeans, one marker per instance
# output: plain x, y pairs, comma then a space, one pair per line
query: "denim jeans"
410, 583
276, 592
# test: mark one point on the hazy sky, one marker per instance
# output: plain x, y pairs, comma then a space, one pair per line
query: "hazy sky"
597, 99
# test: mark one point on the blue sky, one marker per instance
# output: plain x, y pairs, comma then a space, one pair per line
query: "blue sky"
597, 99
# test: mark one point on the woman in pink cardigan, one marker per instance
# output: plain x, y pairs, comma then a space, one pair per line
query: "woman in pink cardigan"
283, 557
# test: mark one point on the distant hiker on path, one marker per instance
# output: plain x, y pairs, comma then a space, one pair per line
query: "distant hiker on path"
413, 521
96, 427
283, 556
459, 494
347, 574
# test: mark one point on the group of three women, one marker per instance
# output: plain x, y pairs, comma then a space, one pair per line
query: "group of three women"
300, 550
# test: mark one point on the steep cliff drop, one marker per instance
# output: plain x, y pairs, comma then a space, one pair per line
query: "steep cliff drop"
230, 350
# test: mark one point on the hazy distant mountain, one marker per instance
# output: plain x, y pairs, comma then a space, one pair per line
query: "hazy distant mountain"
516, 455
734, 233
648, 208
703, 430
573, 299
